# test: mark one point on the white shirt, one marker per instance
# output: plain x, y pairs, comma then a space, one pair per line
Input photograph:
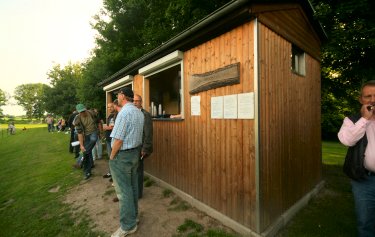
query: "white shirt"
351, 133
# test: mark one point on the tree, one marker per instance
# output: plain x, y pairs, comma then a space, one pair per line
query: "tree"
30, 97
3, 101
347, 57
88, 92
128, 29
61, 97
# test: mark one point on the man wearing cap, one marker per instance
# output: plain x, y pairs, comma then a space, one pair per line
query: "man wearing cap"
87, 130
126, 147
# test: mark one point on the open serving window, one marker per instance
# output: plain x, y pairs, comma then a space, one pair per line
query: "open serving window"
162, 90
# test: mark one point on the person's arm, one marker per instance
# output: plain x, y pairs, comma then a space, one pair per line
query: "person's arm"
108, 127
115, 148
81, 142
350, 132
100, 126
175, 116
79, 128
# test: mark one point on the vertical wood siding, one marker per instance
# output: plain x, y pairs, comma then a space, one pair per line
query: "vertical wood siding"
137, 85
290, 163
292, 24
211, 159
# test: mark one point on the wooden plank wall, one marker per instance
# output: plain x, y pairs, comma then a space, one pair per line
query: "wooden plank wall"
290, 136
294, 26
137, 86
212, 160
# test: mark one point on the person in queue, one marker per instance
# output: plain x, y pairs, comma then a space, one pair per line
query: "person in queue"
147, 148
87, 129
126, 147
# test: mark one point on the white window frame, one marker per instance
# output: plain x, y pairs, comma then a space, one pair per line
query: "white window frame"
119, 83
125, 81
298, 61
164, 63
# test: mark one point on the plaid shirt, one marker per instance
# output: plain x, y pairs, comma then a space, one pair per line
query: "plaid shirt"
128, 127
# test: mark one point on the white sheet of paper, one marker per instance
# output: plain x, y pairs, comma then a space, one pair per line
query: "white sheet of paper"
217, 107
195, 105
246, 105
230, 106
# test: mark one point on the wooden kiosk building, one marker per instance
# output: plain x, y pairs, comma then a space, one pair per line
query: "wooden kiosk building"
245, 146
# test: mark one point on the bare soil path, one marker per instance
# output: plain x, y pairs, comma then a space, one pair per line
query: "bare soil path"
159, 216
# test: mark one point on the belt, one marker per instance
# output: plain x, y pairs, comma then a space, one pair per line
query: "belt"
130, 149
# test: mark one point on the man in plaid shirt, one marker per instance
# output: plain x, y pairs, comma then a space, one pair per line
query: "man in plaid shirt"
124, 159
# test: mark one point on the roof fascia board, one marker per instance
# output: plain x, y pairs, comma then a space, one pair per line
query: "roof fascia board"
162, 62
118, 83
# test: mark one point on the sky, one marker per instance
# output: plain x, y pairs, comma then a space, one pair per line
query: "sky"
37, 34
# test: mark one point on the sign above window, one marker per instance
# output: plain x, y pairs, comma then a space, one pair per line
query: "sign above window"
224, 76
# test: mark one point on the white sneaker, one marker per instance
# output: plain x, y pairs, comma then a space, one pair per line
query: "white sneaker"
121, 233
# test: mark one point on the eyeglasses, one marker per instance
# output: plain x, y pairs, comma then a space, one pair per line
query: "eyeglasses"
137, 100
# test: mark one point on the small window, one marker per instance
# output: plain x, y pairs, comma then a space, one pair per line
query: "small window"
165, 93
298, 61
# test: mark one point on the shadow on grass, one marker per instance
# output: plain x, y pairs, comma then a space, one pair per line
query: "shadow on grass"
330, 213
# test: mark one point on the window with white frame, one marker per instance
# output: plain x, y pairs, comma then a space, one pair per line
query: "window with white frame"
298, 61
163, 87
112, 88
164, 92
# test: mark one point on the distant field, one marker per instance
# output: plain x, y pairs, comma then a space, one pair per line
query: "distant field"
20, 120
21, 126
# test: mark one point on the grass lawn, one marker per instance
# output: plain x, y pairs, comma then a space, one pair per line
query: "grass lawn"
34, 162
331, 213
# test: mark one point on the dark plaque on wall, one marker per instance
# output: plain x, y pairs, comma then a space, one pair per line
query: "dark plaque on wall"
224, 76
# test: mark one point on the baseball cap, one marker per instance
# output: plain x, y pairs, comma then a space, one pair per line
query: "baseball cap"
127, 92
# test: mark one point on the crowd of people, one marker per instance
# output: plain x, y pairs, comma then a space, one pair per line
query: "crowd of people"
128, 133
60, 127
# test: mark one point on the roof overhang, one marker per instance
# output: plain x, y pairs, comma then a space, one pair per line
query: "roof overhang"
222, 20
114, 85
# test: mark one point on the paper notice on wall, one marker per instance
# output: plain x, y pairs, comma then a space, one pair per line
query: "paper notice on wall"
246, 105
230, 106
217, 106
195, 103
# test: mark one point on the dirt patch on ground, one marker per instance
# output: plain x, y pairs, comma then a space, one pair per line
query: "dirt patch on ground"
159, 215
